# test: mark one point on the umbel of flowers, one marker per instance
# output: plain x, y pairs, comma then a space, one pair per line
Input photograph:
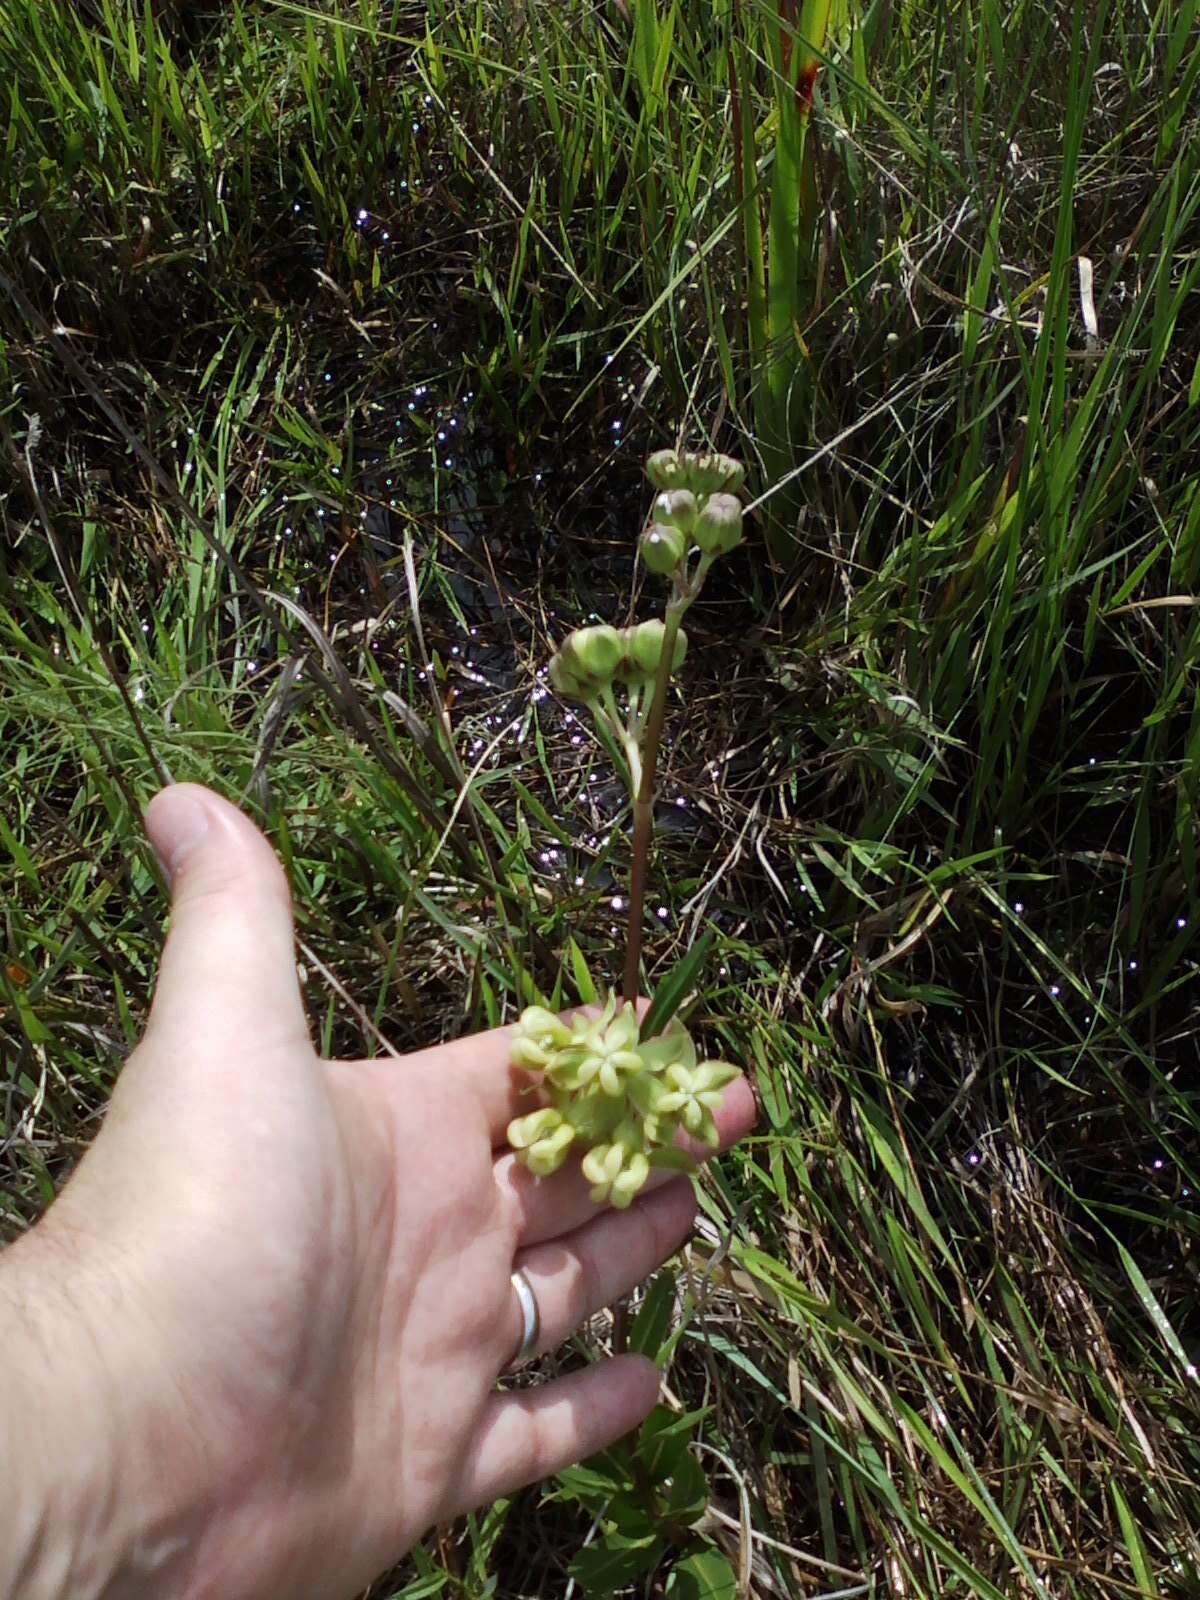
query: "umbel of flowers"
619, 1099
615, 1099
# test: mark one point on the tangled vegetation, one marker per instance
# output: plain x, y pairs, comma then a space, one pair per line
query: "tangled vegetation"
333, 334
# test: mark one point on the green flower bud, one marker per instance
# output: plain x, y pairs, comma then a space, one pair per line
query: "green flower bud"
602, 1164
548, 1154
676, 508
665, 470
711, 473
593, 653
719, 525
543, 1027
616, 1174
529, 1055
644, 647
526, 1131
628, 1183
663, 548
566, 683
565, 1071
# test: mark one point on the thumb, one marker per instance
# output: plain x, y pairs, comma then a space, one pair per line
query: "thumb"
229, 964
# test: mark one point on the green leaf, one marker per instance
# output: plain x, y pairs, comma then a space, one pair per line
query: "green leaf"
1152, 1307
591, 1486
705, 1576
614, 1562
687, 1498
585, 988
653, 1320
423, 1588
540, 815
675, 987
664, 1441
671, 1159
1133, 1540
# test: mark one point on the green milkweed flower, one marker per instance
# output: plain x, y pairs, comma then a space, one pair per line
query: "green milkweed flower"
586, 661
712, 473
543, 1028
693, 1094
665, 470
618, 1099
593, 652
676, 508
602, 1052
529, 1055
719, 526
616, 1174
706, 472
644, 648
526, 1131
567, 683
663, 548
546, 1156
541, 1140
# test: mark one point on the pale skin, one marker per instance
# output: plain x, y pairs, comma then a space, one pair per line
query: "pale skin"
252, 1350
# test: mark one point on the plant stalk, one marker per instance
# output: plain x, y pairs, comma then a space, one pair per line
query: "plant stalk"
643, 804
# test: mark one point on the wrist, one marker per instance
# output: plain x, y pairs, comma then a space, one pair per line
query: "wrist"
92, 1507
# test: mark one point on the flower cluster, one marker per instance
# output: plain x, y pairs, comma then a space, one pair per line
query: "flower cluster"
590, 660
616, 1098
697, 509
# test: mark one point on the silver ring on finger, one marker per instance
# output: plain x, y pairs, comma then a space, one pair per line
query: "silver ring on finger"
531, 1322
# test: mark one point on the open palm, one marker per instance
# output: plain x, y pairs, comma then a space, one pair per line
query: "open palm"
310, 1262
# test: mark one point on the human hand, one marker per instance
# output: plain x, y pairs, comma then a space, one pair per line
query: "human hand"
275, 1298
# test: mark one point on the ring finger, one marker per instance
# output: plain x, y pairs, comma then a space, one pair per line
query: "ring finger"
575, 1276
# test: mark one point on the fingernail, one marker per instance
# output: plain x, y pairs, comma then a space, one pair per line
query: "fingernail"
176, 822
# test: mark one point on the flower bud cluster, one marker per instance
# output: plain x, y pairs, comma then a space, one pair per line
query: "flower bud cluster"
591, 659
615, 1100
698, 508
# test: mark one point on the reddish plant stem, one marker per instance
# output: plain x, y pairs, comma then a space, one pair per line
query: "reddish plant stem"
643, 805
